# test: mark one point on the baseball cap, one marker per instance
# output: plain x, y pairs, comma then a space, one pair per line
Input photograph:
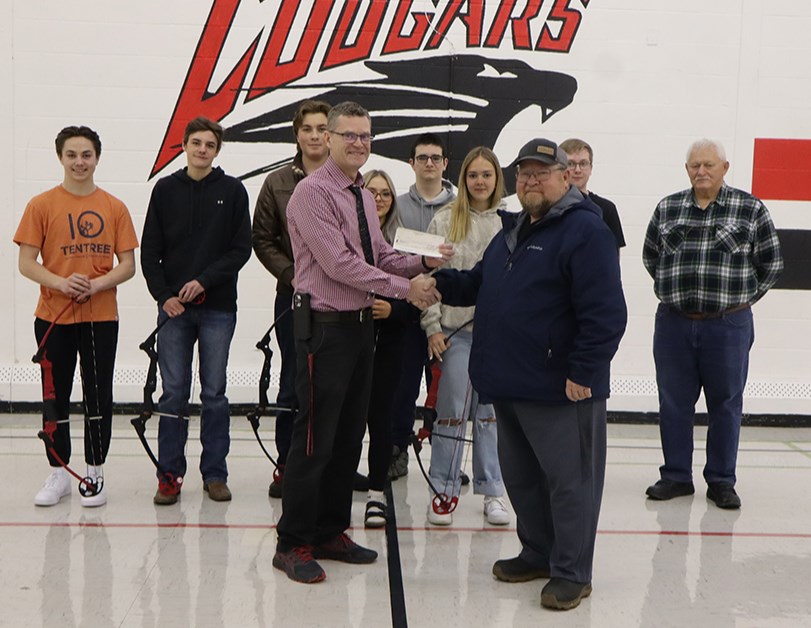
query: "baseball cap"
542, 150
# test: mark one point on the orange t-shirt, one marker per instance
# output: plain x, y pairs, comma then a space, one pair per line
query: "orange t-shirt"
77, 234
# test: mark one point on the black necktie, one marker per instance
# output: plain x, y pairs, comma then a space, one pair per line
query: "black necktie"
363, 227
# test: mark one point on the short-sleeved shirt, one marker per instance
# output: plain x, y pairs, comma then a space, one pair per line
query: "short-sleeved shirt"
77, 234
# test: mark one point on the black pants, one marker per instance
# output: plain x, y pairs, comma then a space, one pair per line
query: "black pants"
317, 498
552, 459
95, 344
387, 366
412, 366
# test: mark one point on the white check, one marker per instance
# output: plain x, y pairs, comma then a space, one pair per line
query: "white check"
411, 241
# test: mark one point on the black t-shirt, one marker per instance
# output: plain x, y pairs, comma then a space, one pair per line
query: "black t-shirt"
610, 216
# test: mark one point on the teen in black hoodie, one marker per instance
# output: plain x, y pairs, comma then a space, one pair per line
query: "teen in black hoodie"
197, 236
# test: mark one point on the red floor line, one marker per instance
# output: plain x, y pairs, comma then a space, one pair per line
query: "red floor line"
259, 526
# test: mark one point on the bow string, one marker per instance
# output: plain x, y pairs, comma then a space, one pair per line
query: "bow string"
442, 503
88, 486
169, 483
264, 407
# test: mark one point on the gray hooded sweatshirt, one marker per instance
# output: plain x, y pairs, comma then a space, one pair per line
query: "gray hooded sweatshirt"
416, 213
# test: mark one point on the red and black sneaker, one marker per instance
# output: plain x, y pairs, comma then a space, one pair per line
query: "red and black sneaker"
345, 550
275, 488
299, 565
168, 491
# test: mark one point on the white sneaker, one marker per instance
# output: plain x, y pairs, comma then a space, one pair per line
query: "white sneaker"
496, 511
439, 519
55, 488
100, 498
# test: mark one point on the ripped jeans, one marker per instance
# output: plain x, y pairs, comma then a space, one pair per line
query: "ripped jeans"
457, 403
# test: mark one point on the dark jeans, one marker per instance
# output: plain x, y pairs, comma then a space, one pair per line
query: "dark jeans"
287, 377
387, 366
317, 498
690, 355
95, 344
553, 464
212, 331
412, 366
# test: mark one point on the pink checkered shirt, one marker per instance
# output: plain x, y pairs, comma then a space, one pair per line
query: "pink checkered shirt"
329, 263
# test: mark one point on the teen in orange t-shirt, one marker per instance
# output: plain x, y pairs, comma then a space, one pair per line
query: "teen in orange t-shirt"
77, 229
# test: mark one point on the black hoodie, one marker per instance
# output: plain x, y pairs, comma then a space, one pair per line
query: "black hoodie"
196, 230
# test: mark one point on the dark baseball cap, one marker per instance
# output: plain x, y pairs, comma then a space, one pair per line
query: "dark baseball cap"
544, 151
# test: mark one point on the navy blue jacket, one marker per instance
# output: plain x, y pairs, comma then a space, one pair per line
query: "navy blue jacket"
548, 308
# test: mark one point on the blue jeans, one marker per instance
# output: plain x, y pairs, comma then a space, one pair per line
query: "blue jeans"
458, 403
212, 330
690, 355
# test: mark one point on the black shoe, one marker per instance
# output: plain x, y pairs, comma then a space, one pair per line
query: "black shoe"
665, 489
361, 482
465, 478
723, 495
299, 565
563, 595
517, 570
399, 463
345, 550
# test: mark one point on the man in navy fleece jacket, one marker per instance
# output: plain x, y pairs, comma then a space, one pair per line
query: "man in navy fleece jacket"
550, 314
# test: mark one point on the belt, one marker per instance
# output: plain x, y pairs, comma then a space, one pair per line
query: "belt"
705, 316
350, 316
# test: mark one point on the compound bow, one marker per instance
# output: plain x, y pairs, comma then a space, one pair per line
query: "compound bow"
88, 486
441, 502
168, 482
265, 408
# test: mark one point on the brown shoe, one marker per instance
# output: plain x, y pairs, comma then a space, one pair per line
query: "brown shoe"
165, 498
217, 491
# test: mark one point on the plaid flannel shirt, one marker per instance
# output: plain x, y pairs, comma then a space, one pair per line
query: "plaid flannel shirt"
709, 260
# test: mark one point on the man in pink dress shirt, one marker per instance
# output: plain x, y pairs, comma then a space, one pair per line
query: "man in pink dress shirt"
341, 262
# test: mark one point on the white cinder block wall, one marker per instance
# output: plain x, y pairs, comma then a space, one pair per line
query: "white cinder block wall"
652, 77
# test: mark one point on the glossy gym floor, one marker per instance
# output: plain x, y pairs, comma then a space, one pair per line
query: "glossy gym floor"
200, 563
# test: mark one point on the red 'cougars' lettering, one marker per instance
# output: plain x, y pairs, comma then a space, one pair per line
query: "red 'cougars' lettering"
339, 51
571, 22
272, 72
396, 41
409, 31
196, 99
473, 21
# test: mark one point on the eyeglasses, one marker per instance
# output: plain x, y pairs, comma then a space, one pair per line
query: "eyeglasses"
539, 175
351, 138
423, 159
574, 165
384, 194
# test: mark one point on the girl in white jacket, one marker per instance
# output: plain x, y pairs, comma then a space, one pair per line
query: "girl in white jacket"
469, 222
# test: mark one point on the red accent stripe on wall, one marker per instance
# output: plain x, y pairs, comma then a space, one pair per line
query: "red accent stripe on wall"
782, 170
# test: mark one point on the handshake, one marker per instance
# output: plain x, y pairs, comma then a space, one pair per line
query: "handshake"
422, 292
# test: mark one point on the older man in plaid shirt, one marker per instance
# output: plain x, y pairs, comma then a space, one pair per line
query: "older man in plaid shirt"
712, 251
